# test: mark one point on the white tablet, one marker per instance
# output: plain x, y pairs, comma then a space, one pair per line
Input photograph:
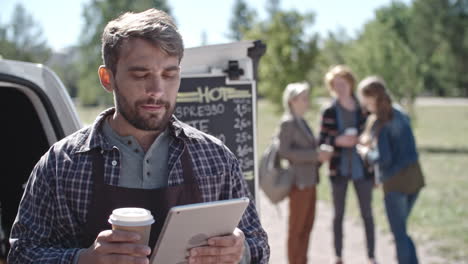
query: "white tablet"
189, 226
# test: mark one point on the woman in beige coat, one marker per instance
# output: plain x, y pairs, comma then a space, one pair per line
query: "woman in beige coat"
299, 146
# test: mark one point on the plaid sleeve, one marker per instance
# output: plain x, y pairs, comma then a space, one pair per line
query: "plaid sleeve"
32, 237
255, 235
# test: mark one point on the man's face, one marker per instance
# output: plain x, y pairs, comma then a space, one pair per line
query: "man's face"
145, 85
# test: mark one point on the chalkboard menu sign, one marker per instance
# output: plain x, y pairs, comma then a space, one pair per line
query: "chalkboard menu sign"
224, 111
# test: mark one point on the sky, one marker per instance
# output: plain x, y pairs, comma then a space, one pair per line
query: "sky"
61, 21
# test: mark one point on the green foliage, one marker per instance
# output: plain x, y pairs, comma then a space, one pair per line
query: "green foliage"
22, 38
382, 50
289, 54
332, 52
96, 14
272, 7
241, 21
416, 48
66, 66
438, 35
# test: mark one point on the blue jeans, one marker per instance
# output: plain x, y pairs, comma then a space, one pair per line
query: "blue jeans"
398, 207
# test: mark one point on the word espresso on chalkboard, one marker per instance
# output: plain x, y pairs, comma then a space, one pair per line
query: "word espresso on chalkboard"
224, 111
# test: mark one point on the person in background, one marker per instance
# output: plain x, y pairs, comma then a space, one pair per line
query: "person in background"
341, 124
389, 143
298, 145
136, 154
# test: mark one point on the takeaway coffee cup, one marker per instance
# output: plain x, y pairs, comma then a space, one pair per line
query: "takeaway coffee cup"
133, 219
351, 131
326, 148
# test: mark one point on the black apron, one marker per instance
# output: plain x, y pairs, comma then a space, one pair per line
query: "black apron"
106, 198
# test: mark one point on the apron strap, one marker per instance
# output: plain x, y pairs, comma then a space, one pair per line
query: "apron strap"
98, 166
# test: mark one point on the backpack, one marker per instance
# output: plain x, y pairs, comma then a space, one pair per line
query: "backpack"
274, 180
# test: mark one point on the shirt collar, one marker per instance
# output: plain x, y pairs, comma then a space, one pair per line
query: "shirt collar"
95, 137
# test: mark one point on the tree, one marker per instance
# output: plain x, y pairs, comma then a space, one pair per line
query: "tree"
65, 65
7, 48
273, 7
241, 21
22, 38
438, 34
290, 53
381, 50
333, 49
96, 14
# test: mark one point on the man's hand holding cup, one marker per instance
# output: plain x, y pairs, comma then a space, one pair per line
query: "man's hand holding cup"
127, 242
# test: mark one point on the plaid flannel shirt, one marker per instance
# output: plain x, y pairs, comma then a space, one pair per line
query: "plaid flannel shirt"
53, 210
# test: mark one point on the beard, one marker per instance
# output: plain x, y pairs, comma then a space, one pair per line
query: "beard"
149, 122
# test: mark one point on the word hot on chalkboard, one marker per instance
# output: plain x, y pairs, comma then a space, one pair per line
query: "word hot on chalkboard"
224, 111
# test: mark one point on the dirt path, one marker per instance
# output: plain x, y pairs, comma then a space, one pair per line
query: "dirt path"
321, 246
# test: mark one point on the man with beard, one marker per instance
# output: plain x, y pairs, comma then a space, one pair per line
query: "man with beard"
136, 154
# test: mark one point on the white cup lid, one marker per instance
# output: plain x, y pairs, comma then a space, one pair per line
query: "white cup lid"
352, 131
131, 216
326, 147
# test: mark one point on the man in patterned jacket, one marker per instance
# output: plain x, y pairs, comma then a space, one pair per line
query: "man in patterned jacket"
136, 154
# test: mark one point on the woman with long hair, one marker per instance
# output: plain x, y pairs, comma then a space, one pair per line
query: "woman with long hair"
298, 145
389, 143
341, 124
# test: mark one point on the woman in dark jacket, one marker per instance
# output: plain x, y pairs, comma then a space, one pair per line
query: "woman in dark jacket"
299, 146
388, 142
341, 124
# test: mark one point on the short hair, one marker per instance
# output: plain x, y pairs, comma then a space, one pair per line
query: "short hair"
339, 71
292, 90
153, 25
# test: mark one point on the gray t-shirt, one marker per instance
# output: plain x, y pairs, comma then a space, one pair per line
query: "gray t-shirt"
139, 169
349, 121
349, 117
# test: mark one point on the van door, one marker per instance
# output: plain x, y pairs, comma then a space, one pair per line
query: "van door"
218, 96
31, 123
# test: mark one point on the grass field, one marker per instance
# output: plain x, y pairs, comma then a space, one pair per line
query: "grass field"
440, 216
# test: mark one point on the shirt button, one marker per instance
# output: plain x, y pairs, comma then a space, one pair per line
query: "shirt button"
147, 161
136, 151
129, 142
147, 174
114, 162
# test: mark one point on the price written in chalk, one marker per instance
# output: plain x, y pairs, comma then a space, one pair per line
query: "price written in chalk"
246, 163
242, 124
243, 137
244, 150
242, 109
